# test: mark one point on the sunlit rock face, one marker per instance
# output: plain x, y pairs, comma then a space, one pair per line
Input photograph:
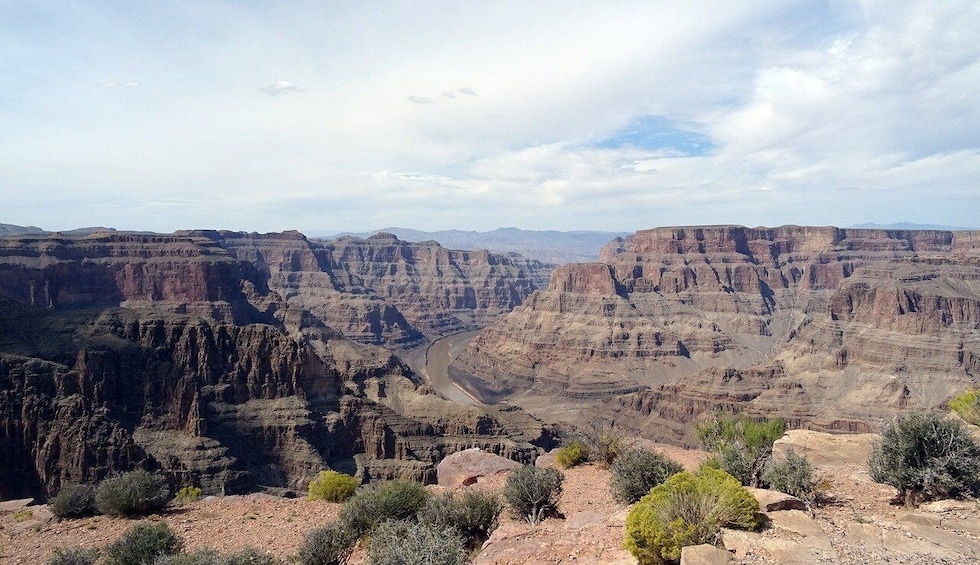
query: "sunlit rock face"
831, 328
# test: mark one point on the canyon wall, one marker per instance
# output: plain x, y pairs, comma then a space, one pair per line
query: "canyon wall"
831, 328
212, 357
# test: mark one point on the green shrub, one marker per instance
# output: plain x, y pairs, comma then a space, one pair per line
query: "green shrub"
142, 544
74, 556
572, 454
687, 509
926, 457
603, 444
188, 494
637, 471
741, 445
391, 500
250, 556
332, 487
73, 501
967, 405
199, 557
132, 494
532, 492
474, 514
402, 542
327, 545
794, 475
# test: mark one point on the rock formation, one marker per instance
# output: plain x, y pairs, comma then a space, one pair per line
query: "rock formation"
208, 356
830, 328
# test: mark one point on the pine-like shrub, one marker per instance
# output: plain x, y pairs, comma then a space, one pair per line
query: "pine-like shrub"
327, 545
74, 556
572, 454
926, 457
687, 509
636, 471
73, 501
332, 487
532, 492
474, 514
967, 405
742, 446
132, 494
142, 544
403, 542
391, 500
794, 475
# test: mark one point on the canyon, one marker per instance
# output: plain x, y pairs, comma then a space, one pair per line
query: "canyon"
832, 329
239, 361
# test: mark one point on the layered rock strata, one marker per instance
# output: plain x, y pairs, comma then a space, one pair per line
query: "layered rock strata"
203, 355
830, 328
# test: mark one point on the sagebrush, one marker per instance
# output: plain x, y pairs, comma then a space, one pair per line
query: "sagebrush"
742, 446
142, 544
687, 509
926, 457
132, 494
638, 470
327, 545
332, 487
73, 501
403, 542
532, 492
474, 514
373, 504
74, 556
794, 475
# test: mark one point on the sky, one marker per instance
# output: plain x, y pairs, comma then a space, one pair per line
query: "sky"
329, 116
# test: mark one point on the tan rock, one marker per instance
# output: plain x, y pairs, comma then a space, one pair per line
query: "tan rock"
823, 448
773, 500
704, 555
468, 466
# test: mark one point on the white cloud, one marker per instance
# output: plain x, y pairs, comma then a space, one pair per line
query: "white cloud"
837, 112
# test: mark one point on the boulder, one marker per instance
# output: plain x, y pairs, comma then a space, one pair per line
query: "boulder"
468, 466
773, 500
704, 554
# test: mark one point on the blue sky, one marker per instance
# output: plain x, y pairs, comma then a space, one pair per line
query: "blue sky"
331, 116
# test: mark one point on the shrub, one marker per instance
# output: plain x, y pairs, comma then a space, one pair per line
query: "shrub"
532, 492
637, 471
391, 500
250, 556
967, 405
603, 444
131, 494
687, 509
332, 487
74, 556
188, 494
402, 542
327, 545
572, 454
73, 501
474, 514
794, 475
926, 457
742, 446
199, 557
142, 544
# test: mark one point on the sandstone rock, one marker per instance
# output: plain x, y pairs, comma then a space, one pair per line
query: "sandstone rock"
15, 505
832, 329
772, 500
704, 555
468, 466
826, 449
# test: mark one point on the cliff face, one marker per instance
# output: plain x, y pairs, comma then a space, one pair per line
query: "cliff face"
828, 327
196, 354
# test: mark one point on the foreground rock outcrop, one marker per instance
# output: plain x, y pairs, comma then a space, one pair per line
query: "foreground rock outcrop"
210, 356
830, 328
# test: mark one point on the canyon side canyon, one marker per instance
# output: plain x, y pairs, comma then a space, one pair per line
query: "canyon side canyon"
238, 361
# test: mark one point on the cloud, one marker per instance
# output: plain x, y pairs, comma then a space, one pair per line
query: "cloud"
280, 87
111, 85
467, 91
420, 100
448, 94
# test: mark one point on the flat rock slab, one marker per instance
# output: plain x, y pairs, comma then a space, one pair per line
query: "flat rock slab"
773, 500
704, 555
468, 466
826, 449
14, 505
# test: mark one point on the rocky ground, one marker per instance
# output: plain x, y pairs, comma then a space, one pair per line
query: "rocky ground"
856, 525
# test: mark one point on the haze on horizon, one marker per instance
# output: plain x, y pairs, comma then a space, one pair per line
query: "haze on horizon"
617, 116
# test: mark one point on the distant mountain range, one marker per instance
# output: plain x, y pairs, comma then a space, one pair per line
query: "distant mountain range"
908, 226
557, 247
